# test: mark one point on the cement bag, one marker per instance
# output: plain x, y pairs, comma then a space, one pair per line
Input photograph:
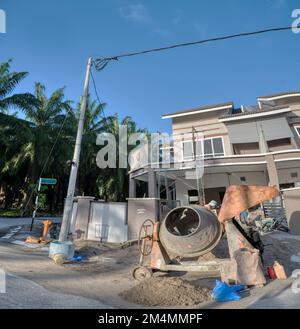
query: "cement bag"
249, 267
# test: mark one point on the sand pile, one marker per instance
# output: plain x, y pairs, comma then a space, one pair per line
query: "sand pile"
167, 291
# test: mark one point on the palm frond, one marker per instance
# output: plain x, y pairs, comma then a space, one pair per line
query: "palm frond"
9, 82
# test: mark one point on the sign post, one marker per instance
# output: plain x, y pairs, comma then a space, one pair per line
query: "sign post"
42, 181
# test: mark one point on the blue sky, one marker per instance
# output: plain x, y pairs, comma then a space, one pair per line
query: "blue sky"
53, 39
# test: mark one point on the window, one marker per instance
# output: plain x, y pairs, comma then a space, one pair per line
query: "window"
246, 148
193, 197
218, 146
297, 128
188, 149
208, 147
287, 185
212, 147
279, 144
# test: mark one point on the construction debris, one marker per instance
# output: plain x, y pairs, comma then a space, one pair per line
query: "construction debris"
224, 292
271, 272
167, 291
279, 271
33, 240
44, 239
59, 259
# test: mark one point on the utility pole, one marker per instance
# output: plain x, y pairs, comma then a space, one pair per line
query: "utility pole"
198, 164
65, 226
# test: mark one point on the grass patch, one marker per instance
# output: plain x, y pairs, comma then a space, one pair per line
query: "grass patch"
10, 213
15, 213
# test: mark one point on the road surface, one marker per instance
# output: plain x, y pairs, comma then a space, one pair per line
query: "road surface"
22, 293
34, 281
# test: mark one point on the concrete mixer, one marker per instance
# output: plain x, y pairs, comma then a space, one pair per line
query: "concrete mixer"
186, 234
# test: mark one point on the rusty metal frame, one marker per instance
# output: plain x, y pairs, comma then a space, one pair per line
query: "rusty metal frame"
236, 199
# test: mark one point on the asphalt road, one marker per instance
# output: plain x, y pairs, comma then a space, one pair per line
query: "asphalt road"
22, 293
284, 299
8, 222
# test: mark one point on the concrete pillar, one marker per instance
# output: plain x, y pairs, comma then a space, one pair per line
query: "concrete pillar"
132, 187
138, 211
169, 192
272, 171
151, 184
166, 188
158, 185
263, 146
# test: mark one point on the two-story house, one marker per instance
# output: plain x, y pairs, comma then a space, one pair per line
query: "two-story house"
252, 145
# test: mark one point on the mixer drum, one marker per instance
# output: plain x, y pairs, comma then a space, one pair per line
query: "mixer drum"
190, 231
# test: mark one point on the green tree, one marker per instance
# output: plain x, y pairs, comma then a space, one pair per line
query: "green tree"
47, 118
88, 170
113, 183
8, 82
43, 143
13, 132
48, 143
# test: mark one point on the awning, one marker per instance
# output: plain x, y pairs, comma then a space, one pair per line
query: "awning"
275, 128
248, 132
245, 132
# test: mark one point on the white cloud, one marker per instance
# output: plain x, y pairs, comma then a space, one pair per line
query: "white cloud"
137, 13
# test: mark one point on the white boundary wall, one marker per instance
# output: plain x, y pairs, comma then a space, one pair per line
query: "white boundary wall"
100, 221
108, 222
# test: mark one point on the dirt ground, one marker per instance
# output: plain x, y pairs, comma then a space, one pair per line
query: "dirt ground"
104, 274
167, 291
103, 258
174, 289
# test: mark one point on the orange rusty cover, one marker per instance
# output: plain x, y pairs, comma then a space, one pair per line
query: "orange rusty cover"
241, 197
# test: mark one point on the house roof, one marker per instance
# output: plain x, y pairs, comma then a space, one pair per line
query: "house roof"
283, 94
229, 107
238, 114
254, 113
202, 109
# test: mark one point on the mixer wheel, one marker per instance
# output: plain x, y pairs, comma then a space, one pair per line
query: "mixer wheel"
145, 239
142, 273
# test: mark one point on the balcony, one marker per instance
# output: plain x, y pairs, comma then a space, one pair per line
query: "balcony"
227, 163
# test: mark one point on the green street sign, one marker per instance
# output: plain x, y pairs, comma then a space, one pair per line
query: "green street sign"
48, 181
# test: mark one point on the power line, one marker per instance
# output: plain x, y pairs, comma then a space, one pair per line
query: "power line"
97, 96
101, 63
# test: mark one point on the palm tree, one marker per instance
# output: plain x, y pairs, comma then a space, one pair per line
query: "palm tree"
47, 118
113, 183
47, 145
88, 170
14, 134
43, 144
8, 82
